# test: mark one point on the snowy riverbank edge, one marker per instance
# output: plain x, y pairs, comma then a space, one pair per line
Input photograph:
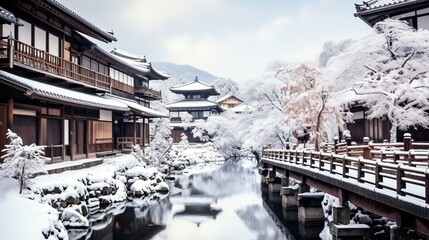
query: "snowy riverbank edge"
39, 212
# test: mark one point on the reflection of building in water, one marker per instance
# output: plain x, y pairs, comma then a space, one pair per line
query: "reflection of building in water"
198, 213
197, 204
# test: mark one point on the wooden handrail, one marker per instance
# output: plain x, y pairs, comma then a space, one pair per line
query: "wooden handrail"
42, 60
378, 173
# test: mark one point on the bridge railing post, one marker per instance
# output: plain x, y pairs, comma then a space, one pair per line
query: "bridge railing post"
331, 163
400, 184
408, 145
335, 144
320, 161
366, 150
283, 155
378, 177
360, 173
427, 186
289, 154
344, 166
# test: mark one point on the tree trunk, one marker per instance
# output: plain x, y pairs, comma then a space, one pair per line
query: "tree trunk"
21, 179
393, 131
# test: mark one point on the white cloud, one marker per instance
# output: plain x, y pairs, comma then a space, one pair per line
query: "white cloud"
273, 28
153, 14
202, 52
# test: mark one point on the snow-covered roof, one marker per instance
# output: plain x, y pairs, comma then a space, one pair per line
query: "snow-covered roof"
195, 86
228, 96
241, 108
137, 108
8, 17
139, 62
373, 4
35, 89
192, 104
374, 11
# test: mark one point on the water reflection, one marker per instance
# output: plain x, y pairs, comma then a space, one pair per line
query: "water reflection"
221, 202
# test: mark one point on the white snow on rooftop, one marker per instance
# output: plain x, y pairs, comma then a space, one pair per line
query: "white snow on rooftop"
228, 96
381, 3
133, 105
62, 94
192, 86
190, 104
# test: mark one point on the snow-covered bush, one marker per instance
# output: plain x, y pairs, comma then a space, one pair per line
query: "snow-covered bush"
161, 142
20, 161
184, 143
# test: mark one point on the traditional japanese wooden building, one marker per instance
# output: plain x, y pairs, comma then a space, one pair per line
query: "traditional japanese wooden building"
195, 103
229, 101
59, 89
416, 13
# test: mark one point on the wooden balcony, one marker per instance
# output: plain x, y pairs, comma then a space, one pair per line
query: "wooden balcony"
146, 92
14, 52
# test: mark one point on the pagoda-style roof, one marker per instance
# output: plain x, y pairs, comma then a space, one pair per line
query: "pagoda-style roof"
195, 87
374, 11
187, 104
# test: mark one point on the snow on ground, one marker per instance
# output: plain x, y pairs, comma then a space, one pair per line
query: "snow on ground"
22, 218
54, 201
179, 157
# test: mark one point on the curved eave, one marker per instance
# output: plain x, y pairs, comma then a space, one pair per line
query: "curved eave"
8, 17
158, 75
209, 91
43, 91
373, 15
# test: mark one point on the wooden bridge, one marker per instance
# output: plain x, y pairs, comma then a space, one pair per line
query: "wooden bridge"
391, 180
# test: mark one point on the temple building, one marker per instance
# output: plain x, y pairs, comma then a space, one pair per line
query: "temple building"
61, 90
195, 103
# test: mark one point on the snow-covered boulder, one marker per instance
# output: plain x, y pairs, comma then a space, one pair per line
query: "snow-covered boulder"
73, 219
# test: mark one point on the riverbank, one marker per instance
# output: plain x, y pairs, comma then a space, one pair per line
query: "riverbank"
52, 204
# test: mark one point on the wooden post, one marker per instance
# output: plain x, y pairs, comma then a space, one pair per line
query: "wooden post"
331, 163
399, 182
335, 144
320, 161
378, 177
427, 187
63, 147
10, 113
408, 145
366, 150
344, 163
135, 129
86, 138
349, 140
359, 170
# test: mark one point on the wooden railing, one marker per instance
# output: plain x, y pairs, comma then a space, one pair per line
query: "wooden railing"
42, 60
147, 92
403, 179
127, 142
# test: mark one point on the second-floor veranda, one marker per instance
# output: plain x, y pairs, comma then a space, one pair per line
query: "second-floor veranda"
18, 56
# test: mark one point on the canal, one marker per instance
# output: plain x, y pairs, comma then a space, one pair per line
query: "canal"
212, 201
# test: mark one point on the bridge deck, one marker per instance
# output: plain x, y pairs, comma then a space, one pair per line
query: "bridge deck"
393, 190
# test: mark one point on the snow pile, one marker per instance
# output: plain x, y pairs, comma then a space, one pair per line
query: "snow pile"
144, 181
179, 157
22, 218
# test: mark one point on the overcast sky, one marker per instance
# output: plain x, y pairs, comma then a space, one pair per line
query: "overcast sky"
228, 38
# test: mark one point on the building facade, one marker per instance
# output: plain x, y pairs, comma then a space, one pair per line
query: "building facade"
416, 13
229, 101
195, 103
60, 90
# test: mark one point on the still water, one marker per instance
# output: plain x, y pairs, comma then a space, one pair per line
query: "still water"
212, 201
